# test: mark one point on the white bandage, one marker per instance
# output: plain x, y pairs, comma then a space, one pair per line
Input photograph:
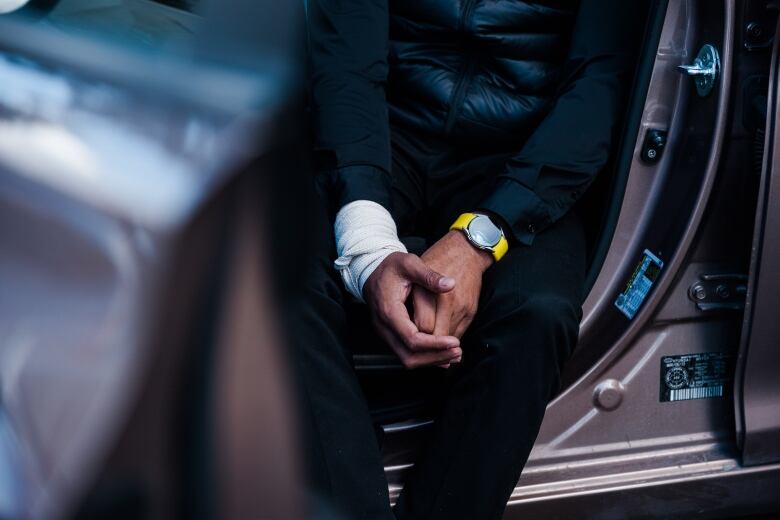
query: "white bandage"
365, 235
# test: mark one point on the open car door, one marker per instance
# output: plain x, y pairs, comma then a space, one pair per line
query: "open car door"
758, 385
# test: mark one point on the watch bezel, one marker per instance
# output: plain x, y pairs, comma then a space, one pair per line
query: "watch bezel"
474, 242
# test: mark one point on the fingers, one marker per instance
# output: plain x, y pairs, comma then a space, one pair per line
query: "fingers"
453, 361
396, 318
421, 358
460, 328
453, 318
463, 319
422, 275
424, 359
424, 304
456, 326
443, 318
414, 348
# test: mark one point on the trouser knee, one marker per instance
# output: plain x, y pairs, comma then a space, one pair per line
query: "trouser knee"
528, 347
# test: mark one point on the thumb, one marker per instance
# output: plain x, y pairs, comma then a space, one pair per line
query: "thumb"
426, 277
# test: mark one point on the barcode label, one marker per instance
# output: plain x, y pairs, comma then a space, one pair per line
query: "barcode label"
696, 376
696, 393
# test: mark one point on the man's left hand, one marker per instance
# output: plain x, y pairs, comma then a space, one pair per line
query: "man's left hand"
450, 314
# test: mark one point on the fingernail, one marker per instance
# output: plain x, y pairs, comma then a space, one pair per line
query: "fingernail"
446, 282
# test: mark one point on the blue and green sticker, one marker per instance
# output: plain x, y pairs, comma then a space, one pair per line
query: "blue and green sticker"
639, 285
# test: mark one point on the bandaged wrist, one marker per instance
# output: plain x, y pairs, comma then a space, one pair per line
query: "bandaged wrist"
365, 236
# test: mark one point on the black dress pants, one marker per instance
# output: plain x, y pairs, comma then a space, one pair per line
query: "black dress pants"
525, 328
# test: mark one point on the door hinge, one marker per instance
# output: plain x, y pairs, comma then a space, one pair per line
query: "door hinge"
717, 292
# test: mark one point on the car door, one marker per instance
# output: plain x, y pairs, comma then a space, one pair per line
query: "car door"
139, 159
757, 398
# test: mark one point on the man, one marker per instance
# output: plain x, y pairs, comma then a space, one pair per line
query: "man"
476, 125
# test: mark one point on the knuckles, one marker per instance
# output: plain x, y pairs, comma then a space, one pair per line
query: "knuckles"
431, 278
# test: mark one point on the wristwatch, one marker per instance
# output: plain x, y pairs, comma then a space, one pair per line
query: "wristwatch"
483, 233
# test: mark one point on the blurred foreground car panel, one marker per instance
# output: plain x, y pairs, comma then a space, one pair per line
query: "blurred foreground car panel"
122, 169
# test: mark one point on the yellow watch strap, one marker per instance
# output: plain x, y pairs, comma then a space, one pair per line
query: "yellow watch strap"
501, 248
498, 251
463, 221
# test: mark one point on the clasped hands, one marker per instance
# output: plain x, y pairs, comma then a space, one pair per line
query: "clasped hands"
444, 286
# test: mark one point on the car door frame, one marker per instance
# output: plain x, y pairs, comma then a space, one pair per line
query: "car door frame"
757, 387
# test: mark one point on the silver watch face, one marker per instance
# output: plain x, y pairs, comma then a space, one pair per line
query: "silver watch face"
483, 232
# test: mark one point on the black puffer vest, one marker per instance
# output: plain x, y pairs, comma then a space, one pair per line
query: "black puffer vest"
476, 71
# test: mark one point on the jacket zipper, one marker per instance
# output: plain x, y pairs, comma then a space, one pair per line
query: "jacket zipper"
468, 6
462, 83
458, 97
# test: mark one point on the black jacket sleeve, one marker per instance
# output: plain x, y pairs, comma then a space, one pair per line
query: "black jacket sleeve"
572, 144
348, 46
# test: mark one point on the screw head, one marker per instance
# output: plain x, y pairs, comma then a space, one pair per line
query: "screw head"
722, 291
699, 292
755, 30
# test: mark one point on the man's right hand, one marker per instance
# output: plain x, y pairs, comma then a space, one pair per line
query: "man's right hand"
386, 292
